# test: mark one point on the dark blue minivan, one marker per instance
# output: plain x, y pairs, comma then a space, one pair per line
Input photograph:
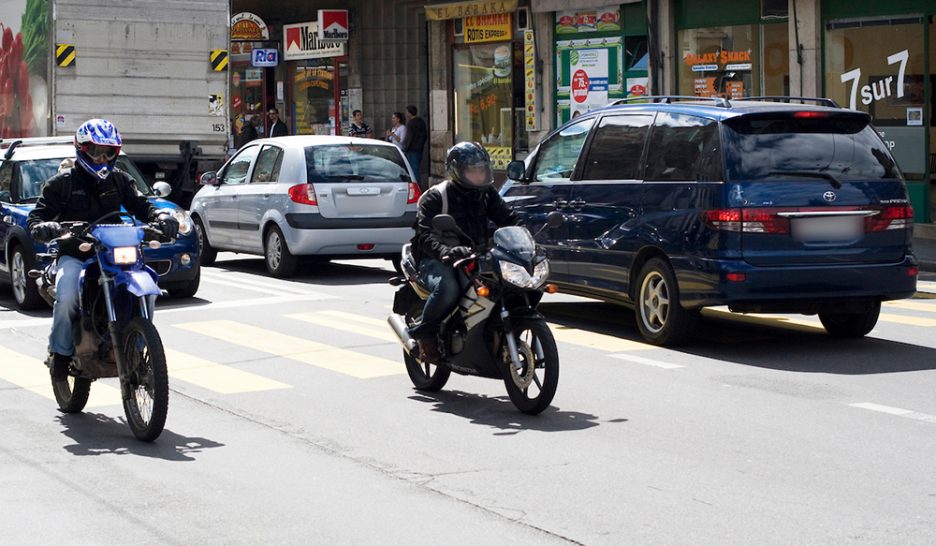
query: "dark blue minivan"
765, 207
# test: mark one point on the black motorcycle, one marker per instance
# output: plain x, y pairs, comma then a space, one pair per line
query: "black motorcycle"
495, 331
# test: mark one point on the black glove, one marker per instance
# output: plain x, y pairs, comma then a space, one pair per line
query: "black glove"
456, 253
46, 231
168, 225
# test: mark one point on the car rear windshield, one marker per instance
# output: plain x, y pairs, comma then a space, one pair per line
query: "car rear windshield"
843, 146
355, 163
33, 174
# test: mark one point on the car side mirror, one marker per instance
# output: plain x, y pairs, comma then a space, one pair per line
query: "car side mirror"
209, 178
555, 219
162, 189
8, 220
444, 223
516, 170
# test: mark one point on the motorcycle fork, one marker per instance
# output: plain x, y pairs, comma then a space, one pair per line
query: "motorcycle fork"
115, 332
511, 340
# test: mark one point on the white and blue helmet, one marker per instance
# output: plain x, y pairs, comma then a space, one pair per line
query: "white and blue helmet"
97, 140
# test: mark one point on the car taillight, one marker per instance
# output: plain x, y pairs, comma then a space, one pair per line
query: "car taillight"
303, 194
414, 194
890, 218
808, 114
748, 221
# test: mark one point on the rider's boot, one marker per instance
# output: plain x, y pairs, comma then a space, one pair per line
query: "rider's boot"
60, 364
429, 349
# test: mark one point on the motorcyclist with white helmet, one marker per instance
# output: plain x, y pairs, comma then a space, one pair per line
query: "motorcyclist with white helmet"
90, 189
469, 196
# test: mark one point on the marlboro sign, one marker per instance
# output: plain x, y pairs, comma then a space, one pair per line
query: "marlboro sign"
333, 25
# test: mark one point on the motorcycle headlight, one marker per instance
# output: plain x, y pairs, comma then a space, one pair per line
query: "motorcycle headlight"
125, 255
185, 221
515, 274
540, 274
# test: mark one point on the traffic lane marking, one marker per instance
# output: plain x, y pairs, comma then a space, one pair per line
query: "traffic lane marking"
217, 377
646, 361
29, 373
320, 355
595, 340
890, 410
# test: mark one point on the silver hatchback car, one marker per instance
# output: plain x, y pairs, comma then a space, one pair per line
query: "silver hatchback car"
308, 196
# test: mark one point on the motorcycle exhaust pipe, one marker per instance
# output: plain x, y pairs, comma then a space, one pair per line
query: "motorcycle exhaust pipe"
399, 328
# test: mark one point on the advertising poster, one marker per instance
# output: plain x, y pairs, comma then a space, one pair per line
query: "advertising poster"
576, 21
589, 69
488, 28
590, 75
24, 57
484, 87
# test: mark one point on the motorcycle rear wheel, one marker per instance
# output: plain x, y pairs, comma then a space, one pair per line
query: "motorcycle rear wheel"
72, 393
145, 359
535, 339
426, 377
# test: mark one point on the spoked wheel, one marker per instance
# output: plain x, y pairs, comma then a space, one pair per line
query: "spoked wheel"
25, 291
532, 387
425, 377
72, 393
149, 384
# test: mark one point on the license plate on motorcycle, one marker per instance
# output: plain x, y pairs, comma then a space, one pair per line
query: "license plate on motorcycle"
827, 229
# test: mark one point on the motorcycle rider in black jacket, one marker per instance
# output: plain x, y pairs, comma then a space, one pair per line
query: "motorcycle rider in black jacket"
469, 196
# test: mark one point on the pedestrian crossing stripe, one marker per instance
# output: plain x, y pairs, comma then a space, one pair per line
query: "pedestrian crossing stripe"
320, 355
30, 374
65, 55
349, 322
219, 59
216, 377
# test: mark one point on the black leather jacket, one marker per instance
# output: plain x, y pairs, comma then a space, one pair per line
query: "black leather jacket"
76, 196
473, 215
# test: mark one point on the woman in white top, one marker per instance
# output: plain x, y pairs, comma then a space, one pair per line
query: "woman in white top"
397, 134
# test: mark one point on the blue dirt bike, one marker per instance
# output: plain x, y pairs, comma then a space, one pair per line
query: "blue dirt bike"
115, 335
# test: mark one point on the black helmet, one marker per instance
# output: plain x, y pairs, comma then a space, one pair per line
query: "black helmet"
466, 156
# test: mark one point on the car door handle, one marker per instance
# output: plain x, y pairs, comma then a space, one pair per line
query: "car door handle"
560, 204
266, 195
577, 204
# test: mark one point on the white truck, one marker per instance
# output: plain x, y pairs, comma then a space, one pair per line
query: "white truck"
149, 66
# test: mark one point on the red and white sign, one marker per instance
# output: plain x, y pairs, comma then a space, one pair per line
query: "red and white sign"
333, 25
302, 42
580, 86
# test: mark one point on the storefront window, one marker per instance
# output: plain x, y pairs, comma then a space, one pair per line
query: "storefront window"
776, 60
313, 94
248, 97
484, 91
720, 61
879, 68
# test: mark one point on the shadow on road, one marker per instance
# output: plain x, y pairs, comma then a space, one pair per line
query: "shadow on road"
500, 413
760, 343
96, 434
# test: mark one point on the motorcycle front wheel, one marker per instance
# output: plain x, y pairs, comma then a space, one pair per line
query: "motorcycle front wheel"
532, 387
145, 360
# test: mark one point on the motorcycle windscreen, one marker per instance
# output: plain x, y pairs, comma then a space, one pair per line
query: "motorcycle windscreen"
515, 240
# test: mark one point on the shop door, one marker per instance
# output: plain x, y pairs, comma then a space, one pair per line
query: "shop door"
248, 91
316, 91
878, 66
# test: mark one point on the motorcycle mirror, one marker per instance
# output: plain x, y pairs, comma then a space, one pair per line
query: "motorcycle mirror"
444, 222
555, 219
162, 189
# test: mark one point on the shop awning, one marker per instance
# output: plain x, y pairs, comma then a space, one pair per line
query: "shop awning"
457, 10
540, 6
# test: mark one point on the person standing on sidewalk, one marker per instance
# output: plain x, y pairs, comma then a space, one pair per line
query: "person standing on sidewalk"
397, 132
358, 128
415, 141
277, 127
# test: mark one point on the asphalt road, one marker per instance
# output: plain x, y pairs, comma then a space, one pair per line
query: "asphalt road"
292, 421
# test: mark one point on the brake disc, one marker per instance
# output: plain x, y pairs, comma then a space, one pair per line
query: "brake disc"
524, 377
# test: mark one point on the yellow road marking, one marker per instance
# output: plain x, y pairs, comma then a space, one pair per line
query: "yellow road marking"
217, 377
908, 320
30, 374
802, 325
593, 340
912, 305
349, 322
323, 356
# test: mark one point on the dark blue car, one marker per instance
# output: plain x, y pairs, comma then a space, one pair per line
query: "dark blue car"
22, 173
762, 206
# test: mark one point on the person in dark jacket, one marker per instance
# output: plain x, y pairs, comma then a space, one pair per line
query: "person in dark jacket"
277, 127
415, 140
248, 132
90, 189
469, 196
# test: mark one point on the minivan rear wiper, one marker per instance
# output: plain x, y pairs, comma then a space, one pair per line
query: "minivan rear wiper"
836, 183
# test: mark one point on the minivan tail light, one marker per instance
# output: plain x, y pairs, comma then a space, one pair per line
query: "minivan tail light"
414, 194
724, 219
890, 218
304, 194
748, 221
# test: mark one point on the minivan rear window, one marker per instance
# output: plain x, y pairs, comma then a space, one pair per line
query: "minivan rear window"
844, 146
339, 163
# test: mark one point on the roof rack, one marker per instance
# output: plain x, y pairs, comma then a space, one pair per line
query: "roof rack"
820, 101
12, 144
669, 99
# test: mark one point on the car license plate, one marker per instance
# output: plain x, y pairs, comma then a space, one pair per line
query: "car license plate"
827, 229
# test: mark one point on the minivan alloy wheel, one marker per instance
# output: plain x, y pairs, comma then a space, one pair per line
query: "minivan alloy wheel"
655, 302
18, 276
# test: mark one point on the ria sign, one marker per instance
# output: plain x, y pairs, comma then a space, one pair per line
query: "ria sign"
263, 58
333, 25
